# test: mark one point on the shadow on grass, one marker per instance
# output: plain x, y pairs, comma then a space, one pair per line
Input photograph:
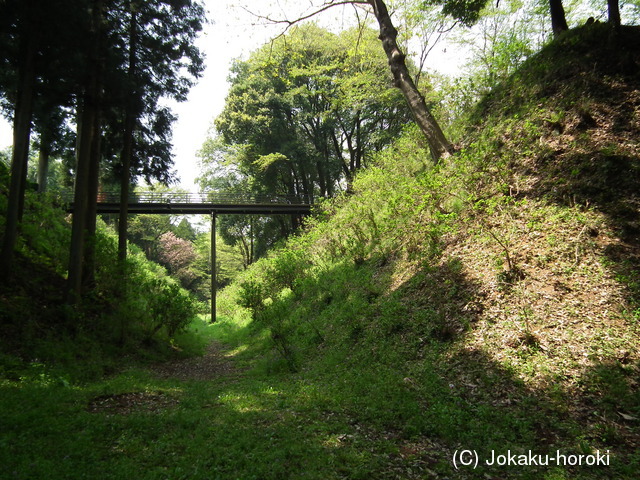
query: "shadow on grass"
393, 371
340, 417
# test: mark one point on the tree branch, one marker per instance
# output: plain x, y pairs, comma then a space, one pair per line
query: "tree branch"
289, 23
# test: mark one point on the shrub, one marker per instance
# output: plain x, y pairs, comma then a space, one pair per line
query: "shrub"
252, 295
170, 307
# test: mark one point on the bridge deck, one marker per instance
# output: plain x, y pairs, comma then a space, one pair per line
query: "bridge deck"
207, 208
201, 203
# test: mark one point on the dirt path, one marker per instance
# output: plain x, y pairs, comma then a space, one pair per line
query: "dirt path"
210, 366
213, 365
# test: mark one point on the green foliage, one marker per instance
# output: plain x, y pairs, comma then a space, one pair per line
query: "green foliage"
151, 303
503, 37
302, 116
229, 263
137, 317
287, 267
171, 307
274, 317
185, 230
5, 160
145, 232
404, 346
466, 11
252, 295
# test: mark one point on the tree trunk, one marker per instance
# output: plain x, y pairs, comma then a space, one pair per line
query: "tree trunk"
251, 242
321, 177
43, 163
80, 200
21, 135
87, 122
613, 7
343, 163
558, 19
89, 260
123, 221
358, 134
438, 143
244, 250
127, 148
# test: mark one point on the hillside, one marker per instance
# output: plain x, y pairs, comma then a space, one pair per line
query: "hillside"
42, 334
491, 302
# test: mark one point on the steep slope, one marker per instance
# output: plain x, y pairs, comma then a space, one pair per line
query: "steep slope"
40, 333
492, 302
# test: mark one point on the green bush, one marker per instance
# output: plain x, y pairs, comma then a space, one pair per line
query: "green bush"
252, 295
170, 307
150, 302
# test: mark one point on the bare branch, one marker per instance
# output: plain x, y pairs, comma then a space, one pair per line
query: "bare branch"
362, 25
430, 45
289, 23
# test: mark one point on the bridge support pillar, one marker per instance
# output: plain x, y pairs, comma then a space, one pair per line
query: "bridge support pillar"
214, 273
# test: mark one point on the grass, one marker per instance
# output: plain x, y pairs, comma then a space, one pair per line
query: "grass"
335, 420
253, 427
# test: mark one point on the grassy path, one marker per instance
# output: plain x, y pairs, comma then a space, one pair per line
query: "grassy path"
222, 415
198, 418
214, 365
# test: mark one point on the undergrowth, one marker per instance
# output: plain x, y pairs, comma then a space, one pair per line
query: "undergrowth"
39, 331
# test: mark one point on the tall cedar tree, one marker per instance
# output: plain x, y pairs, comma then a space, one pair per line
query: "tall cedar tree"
87, 156
131, 112
157, 59
38, 62
21, 33
162, 61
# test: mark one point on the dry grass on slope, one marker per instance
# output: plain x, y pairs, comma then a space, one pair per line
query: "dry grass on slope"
555, 262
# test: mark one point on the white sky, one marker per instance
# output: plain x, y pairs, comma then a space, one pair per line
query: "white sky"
231, 33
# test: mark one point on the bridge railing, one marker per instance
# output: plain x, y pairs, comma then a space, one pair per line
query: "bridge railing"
197, 198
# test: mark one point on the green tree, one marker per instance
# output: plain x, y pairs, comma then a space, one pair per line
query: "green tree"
81, 255
161, 61
111, 61
252, 236
145, 232
438, 143
185, 230
34, 35
229, 263
310, 109
302, 116
468, 12
502, 39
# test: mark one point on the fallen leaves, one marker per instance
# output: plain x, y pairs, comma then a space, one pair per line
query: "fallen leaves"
126, 403
212, 365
